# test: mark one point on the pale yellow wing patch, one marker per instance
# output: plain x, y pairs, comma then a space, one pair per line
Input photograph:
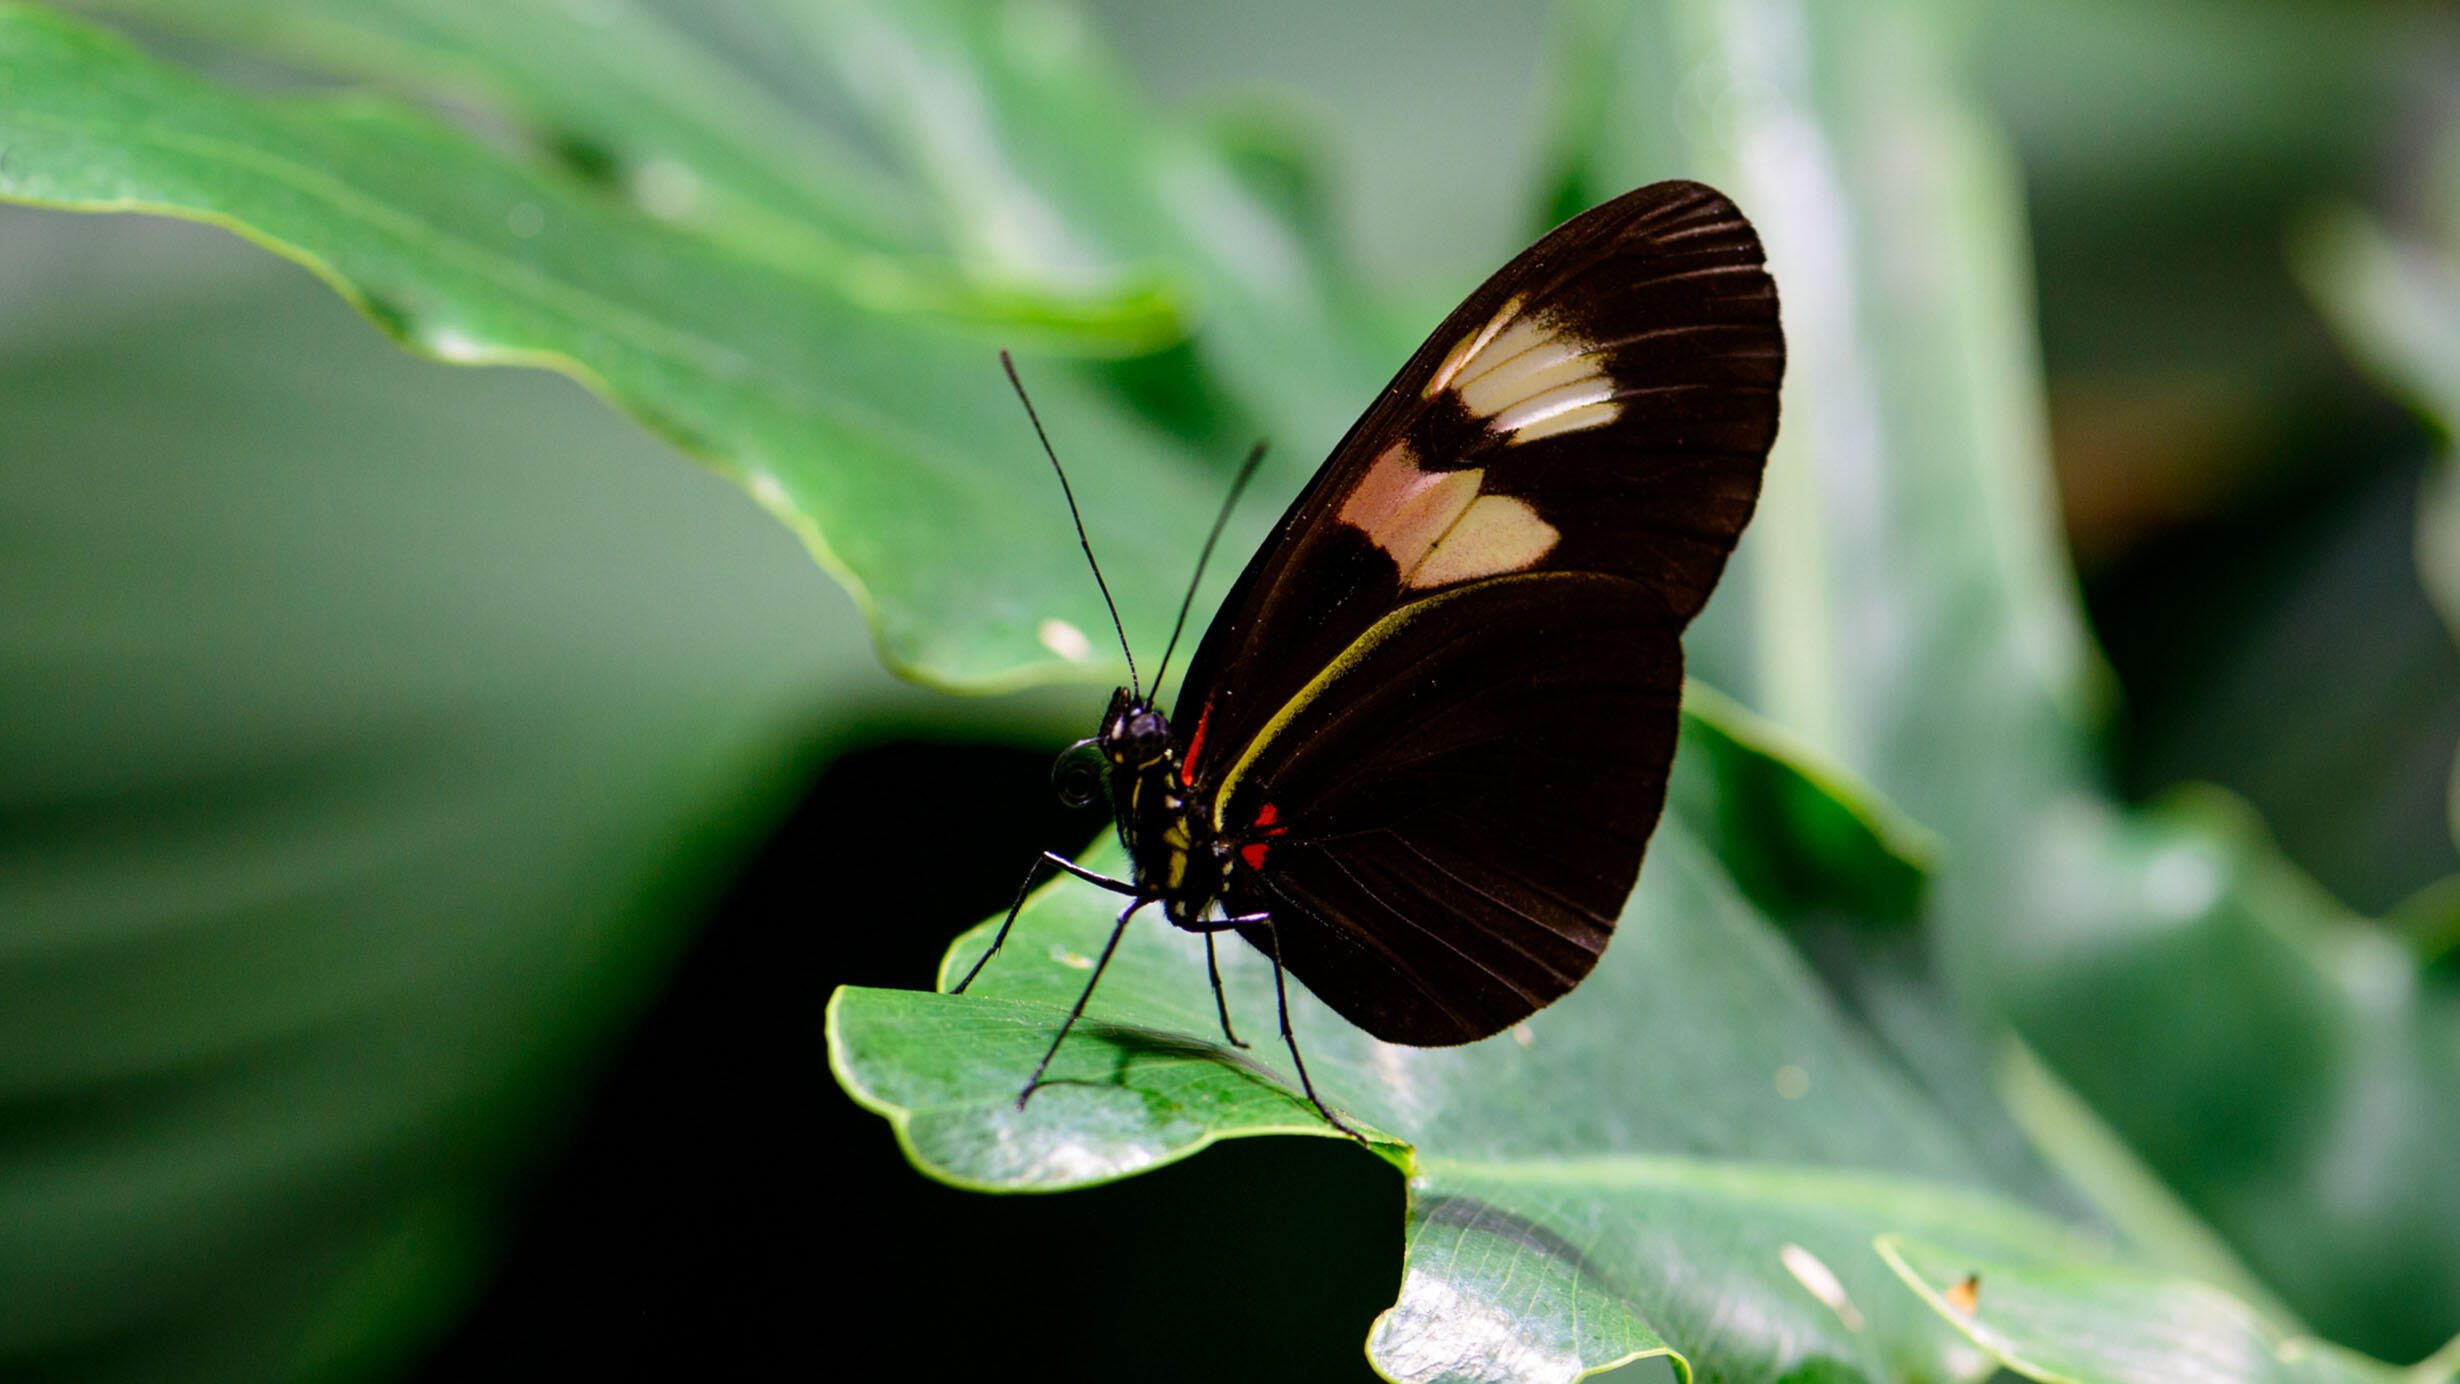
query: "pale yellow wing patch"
1436, 526
1406, 511
1495, 535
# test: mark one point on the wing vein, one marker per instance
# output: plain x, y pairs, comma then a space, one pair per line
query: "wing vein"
1424, 931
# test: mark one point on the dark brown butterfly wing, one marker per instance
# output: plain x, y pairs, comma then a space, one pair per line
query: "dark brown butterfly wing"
1458, 844
1438, 707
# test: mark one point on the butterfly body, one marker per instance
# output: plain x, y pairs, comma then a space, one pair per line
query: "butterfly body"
1418, 755
1180, 861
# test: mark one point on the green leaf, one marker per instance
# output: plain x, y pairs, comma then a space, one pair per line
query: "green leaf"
1695, 1150
1797, 830
2283, 1062
2396, 300
682, 132
630, 86
861, 431
1905, 604
1602, 1181
2091, 1324
1045, 164
2430, 920
1902, 604
377, 734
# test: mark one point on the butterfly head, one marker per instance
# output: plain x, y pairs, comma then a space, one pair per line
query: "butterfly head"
1134, 735
1134, 738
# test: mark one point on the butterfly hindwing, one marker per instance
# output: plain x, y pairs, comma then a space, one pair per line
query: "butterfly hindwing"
1448, 683
1444, 850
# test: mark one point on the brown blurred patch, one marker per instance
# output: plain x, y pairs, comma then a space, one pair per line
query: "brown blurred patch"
2140, 454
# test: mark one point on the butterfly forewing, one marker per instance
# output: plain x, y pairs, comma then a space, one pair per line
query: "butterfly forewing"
1437, 709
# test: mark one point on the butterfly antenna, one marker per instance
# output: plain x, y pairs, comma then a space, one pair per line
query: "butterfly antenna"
1247, 470
1134, 688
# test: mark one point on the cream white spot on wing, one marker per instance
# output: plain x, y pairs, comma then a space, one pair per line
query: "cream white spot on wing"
1467, 348
1528, 376
1404, 510
1495, 534
1064, 639
1532, 372
1538, 408
1570, 420
1523, 336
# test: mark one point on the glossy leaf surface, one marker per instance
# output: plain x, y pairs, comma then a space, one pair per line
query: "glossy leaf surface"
860, 429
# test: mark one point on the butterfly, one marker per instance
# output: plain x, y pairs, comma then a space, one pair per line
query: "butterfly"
1417, 757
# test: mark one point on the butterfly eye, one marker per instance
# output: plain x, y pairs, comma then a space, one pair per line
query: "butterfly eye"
1079, 776
1144, 738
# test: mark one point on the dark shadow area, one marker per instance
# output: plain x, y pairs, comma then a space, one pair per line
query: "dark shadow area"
2286, 650
724, 1211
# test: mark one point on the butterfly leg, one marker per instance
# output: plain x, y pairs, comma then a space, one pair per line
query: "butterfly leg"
1221, 1002
1034, 1082
1046, 858
1281, 989
1116, 886
1212, 966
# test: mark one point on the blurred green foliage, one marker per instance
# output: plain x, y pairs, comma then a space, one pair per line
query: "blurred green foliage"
378, 737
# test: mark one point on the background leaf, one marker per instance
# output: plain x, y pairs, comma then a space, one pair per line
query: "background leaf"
2100, 1327
379, 730
854, 427
1910, 616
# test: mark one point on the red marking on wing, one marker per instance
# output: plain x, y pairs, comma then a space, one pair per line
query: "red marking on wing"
1266, 817
1254, 855
1195, 747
